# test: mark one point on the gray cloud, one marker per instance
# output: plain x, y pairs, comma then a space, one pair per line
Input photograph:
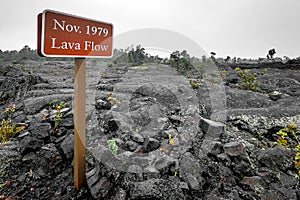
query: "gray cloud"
245, 28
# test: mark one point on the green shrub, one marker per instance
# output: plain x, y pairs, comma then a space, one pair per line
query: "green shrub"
112, 146
259, 134
58, 106
194, 84
249, 80
297, 158
285, 134
289, 131
7, 128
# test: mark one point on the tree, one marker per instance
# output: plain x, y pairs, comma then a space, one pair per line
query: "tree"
234, 60
227, 59
181, 61
140, 54
26, 47
174, 57
271, 53
137, 56
184, 54
213, 56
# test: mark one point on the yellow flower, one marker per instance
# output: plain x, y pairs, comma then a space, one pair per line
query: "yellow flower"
175, 173
44, 116
282, 141
171, 141
109, 99
297, 163
170, 136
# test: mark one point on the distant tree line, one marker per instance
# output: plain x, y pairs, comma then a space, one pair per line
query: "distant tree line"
26, 53
137, 56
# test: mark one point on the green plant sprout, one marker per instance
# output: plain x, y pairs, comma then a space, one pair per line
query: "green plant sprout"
58, 106
265, 71
249, 80
112, 100
297, 158
175, 173
284, 133
112, 146
290, 131
194, 84
259, 134
282, 141
10, 110
7, 129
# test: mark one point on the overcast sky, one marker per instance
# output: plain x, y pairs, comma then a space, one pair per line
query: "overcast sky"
241, 28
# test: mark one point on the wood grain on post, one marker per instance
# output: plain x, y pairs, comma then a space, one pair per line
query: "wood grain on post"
79, 122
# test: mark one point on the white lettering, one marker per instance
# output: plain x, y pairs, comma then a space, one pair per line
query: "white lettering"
53, 44
104, 47
69, 28
64, 45
76, 28
87, 44
77, 46
94, 47
62, 27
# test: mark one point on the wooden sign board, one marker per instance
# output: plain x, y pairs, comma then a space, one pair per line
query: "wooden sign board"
65, 35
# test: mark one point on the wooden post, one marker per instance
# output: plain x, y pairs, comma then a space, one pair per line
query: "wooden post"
79, 122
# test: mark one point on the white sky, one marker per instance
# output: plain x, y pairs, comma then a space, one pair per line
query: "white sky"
241, 28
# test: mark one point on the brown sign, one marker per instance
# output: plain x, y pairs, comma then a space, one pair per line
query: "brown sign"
64, 35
